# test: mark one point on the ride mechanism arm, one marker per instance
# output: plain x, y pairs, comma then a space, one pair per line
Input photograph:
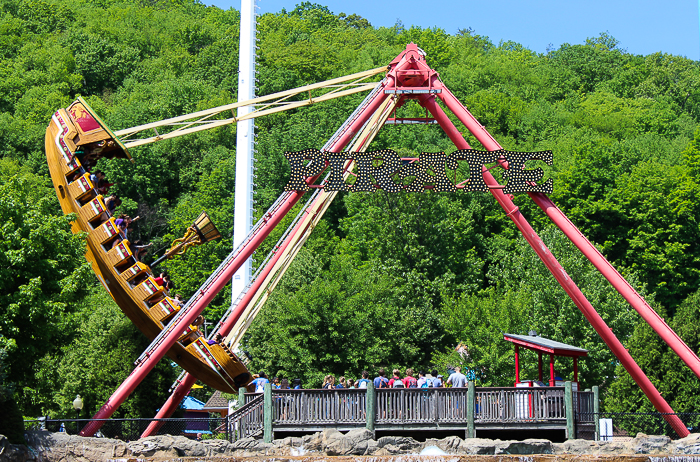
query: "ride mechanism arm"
159, 347
265, 105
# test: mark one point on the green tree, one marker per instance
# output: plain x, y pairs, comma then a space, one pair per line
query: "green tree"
42, 272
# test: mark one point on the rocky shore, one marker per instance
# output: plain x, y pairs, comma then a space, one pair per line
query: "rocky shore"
61, 447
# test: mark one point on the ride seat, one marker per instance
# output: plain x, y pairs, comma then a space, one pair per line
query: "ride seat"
82, 189
190, 334
94, 212
120, 255
147, 290
163, 310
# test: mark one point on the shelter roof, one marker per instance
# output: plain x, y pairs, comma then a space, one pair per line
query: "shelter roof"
191, 404
216, 402
545, 345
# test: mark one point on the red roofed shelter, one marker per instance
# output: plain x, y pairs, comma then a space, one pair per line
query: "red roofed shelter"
544, 345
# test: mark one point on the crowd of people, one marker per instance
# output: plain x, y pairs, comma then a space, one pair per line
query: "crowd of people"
424, 380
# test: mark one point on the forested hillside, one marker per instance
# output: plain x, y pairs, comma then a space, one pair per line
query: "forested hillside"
387, 280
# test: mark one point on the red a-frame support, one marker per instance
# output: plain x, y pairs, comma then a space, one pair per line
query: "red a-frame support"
409, 76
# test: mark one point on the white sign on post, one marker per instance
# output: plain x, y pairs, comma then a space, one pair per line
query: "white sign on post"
606, 429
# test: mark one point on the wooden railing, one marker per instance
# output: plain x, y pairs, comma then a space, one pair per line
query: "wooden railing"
519, 404
584, 406
417, 407
247, 420
304, 407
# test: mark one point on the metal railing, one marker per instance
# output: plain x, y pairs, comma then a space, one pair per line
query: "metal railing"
131, 429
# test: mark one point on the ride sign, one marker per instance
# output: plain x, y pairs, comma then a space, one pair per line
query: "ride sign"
385, 170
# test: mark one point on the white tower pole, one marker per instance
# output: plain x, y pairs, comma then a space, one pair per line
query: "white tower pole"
245, 141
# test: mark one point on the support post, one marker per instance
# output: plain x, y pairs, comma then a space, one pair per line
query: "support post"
618, 282
370, 407
471, 404
181, 390
551, 370
596, 412
517, 365
569, 410
241, 397
267, 413
241, 422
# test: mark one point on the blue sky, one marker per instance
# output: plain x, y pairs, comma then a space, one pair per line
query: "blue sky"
641, 27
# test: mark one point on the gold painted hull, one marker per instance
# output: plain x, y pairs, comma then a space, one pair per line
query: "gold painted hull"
129, 282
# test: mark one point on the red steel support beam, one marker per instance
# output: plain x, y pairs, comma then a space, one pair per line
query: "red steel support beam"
618, 282
171, 404
517, 365
552, 382
543, 252
183, 388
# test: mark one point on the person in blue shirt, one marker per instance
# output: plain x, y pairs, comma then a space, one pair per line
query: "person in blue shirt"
260, 382
381, 381
362, 383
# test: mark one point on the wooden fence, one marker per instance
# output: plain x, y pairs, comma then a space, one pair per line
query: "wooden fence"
410, 407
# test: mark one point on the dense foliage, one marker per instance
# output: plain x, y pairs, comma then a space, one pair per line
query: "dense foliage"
387, 280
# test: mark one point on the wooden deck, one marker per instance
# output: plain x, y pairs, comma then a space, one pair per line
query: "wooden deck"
467, 410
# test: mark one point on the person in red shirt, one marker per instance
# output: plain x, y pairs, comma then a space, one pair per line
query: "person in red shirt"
409, 381
397, 376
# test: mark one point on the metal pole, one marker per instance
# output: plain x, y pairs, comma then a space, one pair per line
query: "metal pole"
245, 139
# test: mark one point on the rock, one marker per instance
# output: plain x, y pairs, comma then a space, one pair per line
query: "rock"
335, 443
359, 435
245, 443
58, 446
313, 442
381, 452
478, 446
400, 443
688, 445
154, 446
650, 444
613, 447
14, 452
450, 444
576, 447
529, 446
359, 440
216, 446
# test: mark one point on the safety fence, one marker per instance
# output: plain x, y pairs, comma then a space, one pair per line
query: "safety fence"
131, 429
